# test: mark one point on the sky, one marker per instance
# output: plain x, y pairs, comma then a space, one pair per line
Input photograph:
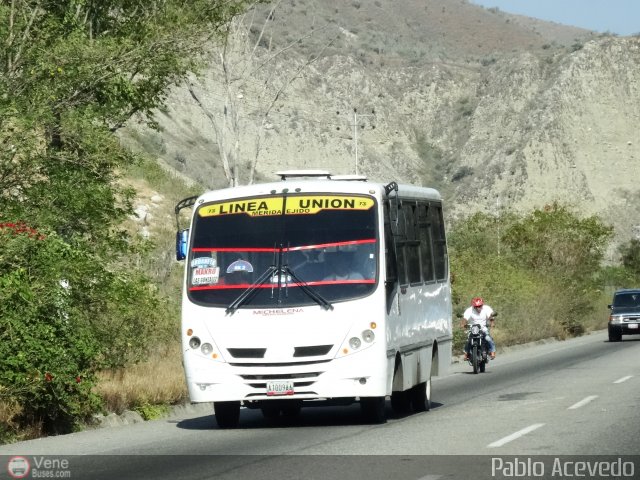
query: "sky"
615, 16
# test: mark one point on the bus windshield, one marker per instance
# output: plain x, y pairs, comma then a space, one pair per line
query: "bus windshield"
286, 251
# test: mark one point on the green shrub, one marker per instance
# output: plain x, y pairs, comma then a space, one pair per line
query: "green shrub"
554, 239
63, 317
630, 253
152, 412
542, 271
47, 354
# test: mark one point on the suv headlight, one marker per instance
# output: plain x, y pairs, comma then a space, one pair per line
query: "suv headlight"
615, 319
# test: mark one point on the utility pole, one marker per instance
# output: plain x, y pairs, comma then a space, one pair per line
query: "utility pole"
355, 135
355, 132
499, 220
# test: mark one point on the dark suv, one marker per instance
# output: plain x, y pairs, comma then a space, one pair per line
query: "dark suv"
625, 314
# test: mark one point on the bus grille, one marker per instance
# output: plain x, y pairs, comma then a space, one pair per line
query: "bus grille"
307, 351
247, 352
279, 364
313, 351
282, 376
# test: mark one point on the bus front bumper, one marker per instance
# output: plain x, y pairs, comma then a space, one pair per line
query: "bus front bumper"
362, 374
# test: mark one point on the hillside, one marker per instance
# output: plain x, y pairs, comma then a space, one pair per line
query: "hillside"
495, 110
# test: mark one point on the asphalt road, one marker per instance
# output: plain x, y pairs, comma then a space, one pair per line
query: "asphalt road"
536, 404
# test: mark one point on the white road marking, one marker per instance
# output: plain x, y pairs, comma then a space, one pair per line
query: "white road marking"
583, 402
623, 379
513, 436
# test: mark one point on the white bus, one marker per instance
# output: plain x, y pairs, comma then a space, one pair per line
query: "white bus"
314, 289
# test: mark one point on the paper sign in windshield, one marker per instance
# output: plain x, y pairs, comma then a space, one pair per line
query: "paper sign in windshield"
203, 262
240, 266
205, 276
302, 205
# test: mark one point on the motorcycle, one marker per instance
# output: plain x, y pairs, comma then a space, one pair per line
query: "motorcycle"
478, 348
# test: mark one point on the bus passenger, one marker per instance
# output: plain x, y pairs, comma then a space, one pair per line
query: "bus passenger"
341, 266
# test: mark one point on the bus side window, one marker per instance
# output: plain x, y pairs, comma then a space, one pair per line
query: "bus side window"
400, 243
389, 253
439, 241
412, 243
424, 235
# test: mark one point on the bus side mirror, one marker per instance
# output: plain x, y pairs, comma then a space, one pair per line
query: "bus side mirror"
182, 240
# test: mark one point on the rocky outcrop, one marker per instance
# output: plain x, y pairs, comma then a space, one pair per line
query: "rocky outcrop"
514, 129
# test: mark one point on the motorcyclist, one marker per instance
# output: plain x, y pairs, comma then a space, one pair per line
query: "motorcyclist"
479, 313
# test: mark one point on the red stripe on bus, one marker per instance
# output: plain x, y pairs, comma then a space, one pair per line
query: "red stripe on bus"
291, 249
250, 249
275, 285
335, 244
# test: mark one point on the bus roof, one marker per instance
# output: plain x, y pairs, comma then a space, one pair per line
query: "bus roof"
300, 181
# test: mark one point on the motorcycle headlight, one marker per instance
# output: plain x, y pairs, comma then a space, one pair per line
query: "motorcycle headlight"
475, 329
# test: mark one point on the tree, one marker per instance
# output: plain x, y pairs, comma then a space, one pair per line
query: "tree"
91, 63
556, 239
631, 256
72, 72
246, 54
567, 251
540, 269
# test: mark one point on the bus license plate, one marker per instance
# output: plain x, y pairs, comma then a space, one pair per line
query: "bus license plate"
279, 388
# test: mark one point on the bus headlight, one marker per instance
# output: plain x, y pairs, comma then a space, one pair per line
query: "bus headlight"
206, 348
356, 343
194, 342
368, 336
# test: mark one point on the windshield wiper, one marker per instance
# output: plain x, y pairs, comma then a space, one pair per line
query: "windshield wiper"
315, 296
279, 267
245, 296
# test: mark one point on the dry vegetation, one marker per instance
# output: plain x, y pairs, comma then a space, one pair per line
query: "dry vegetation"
160, 379
157, 381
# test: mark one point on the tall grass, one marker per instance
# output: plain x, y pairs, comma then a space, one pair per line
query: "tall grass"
157, 381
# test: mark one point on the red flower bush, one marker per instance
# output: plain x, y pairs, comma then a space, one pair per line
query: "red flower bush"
21, 228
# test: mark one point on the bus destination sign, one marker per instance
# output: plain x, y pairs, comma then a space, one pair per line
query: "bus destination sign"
295, 205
